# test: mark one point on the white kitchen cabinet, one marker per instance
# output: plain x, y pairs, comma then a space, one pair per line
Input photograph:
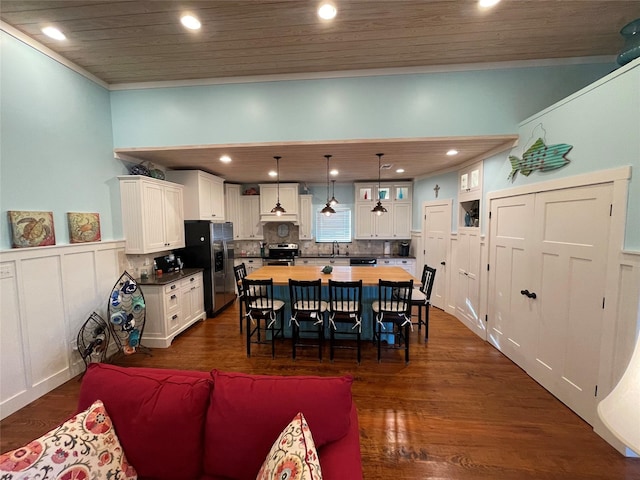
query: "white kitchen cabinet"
203, 194
321, 261
408, 264
171, 309
305, 218
288, 199
152, 214
249, 225
395, 223
232, 207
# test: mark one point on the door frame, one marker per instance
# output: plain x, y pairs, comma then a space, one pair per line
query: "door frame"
447, 203
616, 329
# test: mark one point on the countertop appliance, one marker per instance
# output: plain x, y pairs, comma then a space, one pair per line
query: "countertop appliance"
404, 249
282, 254
363, 261
210, 246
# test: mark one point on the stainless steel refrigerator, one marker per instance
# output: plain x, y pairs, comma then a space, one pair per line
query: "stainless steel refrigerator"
210, 246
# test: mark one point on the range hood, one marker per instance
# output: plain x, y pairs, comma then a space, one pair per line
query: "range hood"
285, 218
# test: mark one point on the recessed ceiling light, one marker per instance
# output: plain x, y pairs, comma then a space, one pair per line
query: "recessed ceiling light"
191, 22
272, 173
54, 33
225, 158
334, 172
327, 11
452, 152
400, 170
488, 3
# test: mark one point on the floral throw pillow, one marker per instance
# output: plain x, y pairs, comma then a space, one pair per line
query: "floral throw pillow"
293, 455
85, 447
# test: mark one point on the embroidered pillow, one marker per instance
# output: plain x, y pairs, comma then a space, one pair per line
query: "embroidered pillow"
84, 447
293, 455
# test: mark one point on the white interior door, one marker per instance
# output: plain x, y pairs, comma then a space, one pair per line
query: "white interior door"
512, 314
571, 242
437, 229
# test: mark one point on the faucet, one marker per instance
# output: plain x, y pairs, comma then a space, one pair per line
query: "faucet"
335, 250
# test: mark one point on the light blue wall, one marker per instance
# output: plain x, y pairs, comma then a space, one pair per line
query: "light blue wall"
482, 102
602, 122
56, 151
423, 191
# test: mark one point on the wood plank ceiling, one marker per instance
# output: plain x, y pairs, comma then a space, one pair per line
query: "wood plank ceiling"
124, 42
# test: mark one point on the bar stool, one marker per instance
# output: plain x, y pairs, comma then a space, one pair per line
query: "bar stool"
421, 297
393, 307
345, 307
307, 307
262, 307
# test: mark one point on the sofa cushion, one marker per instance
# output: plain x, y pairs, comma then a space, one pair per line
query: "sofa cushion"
293, 455
248, 411
159, 416
85, 446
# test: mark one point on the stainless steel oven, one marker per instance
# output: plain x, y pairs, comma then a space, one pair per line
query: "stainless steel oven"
282, 254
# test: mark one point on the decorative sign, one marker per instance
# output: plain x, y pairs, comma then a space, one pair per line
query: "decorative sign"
539, 157
84, 227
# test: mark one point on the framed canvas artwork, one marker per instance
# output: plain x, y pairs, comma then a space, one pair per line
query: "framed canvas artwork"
84, 227
31, 229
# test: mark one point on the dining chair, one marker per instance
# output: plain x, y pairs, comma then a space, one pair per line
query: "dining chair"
345, 308
240, 271
421, 297
308, 311
261, 307
393, 307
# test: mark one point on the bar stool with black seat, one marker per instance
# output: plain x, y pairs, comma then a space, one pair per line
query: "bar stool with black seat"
345, 308
262, 307
307, 314
421, 297
393, 307
240, 271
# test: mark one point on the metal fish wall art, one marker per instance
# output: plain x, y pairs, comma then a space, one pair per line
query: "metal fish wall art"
539, 157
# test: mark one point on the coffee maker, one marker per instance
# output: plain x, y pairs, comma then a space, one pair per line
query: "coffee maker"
404, 249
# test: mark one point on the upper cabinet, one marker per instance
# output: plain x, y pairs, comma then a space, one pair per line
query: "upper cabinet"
470, 182
395, 223
203, 194
152, 214
244, 212
306, 214
469, 195
288, 193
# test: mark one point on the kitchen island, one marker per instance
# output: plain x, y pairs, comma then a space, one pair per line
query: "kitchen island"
369, 276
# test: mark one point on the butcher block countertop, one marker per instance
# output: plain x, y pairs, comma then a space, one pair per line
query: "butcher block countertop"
368, 275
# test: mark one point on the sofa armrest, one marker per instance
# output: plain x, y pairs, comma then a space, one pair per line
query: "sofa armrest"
341, 459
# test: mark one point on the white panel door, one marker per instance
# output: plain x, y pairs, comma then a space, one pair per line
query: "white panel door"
570, 259
436, 240
153, 215
173, 218
511, 314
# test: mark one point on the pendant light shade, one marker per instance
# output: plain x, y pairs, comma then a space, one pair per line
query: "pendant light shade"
278, 210
333, 202
379, 209
328, 209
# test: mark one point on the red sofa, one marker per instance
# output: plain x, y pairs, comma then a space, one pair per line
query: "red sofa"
185, 425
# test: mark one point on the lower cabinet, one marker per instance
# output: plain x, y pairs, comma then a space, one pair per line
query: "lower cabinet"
171, 309
409, 264
333, 261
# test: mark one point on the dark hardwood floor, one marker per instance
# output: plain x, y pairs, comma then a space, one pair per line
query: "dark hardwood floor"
459, 410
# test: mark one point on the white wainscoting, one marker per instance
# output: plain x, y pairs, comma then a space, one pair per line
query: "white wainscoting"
46, 294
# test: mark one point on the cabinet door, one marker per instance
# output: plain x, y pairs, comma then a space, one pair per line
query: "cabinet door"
383, 224
232, 205
153, 221
401, 220
173, 218
288, 198
250, 226
364, 221
212, 199
305, 217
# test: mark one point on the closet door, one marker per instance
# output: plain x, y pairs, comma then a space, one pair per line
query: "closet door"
512, 314
570, 259
437, 233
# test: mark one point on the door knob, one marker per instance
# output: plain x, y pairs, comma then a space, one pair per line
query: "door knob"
443, 263
524, 292
528, 294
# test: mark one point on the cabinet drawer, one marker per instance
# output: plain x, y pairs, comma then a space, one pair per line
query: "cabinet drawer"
171, 287
191, 282
172, 320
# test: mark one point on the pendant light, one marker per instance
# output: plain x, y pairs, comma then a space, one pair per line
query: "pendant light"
333, 202
379, 209
328, 210
278, 210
